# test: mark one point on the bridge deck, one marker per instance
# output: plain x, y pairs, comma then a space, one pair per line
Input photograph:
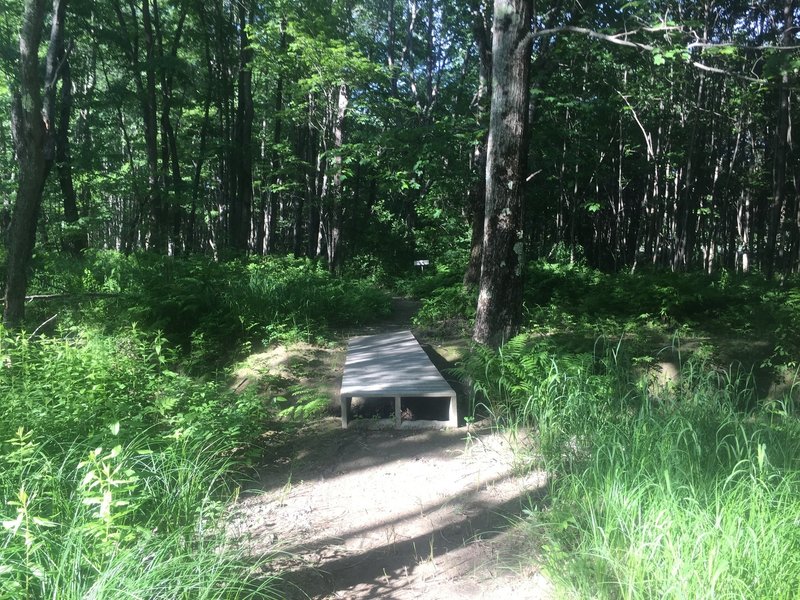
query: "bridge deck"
392, 365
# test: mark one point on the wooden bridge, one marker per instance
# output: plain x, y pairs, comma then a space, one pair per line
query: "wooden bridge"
394, 366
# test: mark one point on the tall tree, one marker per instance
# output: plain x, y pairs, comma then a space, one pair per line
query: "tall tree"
783, 143
242, 198
481, 28
32, 119
146, 89
73, 238
500, 296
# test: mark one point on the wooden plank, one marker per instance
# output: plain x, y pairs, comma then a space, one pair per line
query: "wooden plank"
391, 365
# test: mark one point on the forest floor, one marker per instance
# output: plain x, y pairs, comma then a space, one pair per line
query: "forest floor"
364, 513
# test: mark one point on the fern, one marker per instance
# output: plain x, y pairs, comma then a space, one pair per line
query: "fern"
304, 403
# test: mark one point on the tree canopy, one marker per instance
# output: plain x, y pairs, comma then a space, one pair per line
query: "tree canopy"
353, 131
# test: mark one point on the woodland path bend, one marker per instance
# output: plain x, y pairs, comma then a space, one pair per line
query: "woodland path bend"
420, 514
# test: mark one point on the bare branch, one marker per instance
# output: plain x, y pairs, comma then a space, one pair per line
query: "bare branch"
40, 327
51, 82
614, 39
647, 137
621, 40
704, 45
661, 28
710, 69
67, 296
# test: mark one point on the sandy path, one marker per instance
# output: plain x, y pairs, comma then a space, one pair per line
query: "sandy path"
406, 515
385, 514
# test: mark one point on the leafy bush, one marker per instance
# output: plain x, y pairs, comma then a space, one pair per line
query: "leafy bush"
423, 284
677, 297
448, 306
209, 309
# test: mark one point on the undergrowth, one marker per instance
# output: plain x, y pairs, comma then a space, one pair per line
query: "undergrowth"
209, 311
117, 467
116, 472
658, 489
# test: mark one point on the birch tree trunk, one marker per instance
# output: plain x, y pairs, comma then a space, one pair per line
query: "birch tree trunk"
333, 223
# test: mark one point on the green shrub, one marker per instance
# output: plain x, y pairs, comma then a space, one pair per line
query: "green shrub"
677, 297
453, 303
423, 284
656, 491
210, 310
115, 471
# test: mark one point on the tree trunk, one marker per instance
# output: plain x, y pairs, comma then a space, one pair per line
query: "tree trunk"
170, 164
275, 155
242, 200
390, 42
477, 193
500, 297
782, 133
158, 226
33, 128
333, 224
314, 181
74, 237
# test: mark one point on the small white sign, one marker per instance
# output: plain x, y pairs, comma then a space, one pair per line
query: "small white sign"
421, 263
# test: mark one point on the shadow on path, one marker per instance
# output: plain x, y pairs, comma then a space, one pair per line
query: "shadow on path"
387, 514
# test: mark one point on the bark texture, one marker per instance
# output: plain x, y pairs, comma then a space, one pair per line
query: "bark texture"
500, 298
33, 127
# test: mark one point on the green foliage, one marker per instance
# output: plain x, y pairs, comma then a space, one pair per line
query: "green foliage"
115, 466
423, 284
583, 301
305, 403
70, 388
697, 502
528, 383
210, 309
658, 488
453, 303
115, 471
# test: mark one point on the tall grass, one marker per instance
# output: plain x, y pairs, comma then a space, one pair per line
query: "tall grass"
656, 491
115, 473
116, 469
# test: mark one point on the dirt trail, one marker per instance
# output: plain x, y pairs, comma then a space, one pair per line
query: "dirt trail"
418, 515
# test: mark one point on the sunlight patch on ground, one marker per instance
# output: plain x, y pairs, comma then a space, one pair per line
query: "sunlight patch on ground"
391, 515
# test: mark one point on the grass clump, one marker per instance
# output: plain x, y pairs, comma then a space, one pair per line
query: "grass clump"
657, 489
681, 505
115, 472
